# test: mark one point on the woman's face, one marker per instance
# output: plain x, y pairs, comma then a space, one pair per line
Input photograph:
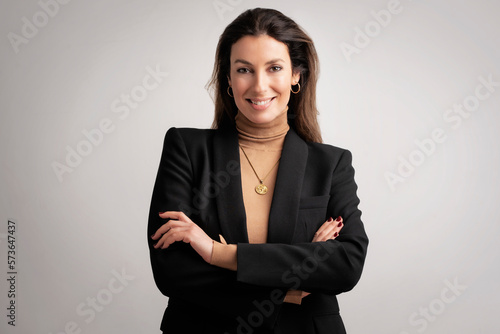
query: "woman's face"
260, 77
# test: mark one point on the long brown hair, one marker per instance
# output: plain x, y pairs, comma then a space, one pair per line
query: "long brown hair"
302, 111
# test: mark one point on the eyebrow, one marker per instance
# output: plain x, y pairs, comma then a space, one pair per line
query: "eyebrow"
276, 60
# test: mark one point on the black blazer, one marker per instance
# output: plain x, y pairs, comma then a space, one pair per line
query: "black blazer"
199, 174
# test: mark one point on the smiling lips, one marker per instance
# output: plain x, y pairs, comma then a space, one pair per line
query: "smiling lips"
260, 104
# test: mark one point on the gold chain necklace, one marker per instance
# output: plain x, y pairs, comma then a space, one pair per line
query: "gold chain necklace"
260, 189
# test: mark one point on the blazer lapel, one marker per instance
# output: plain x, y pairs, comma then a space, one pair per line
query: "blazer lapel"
286, 198
230, 206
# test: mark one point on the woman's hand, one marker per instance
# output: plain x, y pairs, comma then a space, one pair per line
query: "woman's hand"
329, 230
181, 228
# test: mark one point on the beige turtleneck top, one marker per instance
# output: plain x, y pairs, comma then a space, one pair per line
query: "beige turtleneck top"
262, 143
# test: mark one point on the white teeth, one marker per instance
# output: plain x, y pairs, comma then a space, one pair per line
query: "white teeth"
260, 103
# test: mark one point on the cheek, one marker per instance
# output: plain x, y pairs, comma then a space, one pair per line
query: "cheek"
239, 86
284, 91
283, 85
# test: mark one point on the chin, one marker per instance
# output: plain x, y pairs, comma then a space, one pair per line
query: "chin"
261, 118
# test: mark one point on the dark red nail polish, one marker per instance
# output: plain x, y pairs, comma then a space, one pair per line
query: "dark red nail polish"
160, 213
330, 219
152, 236
336, 234
339, 224
338, 218
155, 244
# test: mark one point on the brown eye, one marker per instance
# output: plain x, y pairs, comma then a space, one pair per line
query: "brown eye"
243, 70
276, 68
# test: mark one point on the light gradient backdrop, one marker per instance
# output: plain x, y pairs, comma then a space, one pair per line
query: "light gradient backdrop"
89, 88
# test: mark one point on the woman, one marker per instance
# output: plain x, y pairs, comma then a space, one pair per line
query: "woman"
240, 230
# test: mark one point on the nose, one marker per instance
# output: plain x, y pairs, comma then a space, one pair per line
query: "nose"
261, 82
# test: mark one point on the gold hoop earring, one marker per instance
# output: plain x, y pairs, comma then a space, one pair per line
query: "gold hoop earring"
228, 91
298, 90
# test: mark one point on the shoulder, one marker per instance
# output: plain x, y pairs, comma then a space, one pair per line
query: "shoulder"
318, 154
332, 154
190, 132
188, 136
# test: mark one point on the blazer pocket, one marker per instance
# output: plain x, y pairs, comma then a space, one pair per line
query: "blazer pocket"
314, 202
312, 213
329, 323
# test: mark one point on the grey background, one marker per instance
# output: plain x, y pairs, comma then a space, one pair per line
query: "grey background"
76, 232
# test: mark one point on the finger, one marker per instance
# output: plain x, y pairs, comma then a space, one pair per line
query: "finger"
161, 231
331, 231
325, 233
165, 227
334, 233
324, 230
325, 225
340, 222
171, 236
222, 240
339, 225
178, 215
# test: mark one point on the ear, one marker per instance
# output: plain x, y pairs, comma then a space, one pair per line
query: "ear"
229, 80
295, 77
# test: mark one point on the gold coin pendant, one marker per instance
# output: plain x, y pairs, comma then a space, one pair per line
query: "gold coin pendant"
261, 189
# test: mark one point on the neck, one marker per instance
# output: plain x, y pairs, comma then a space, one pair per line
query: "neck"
262, 132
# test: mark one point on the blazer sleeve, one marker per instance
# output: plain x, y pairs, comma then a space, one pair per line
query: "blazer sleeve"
333, 266
178, 270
